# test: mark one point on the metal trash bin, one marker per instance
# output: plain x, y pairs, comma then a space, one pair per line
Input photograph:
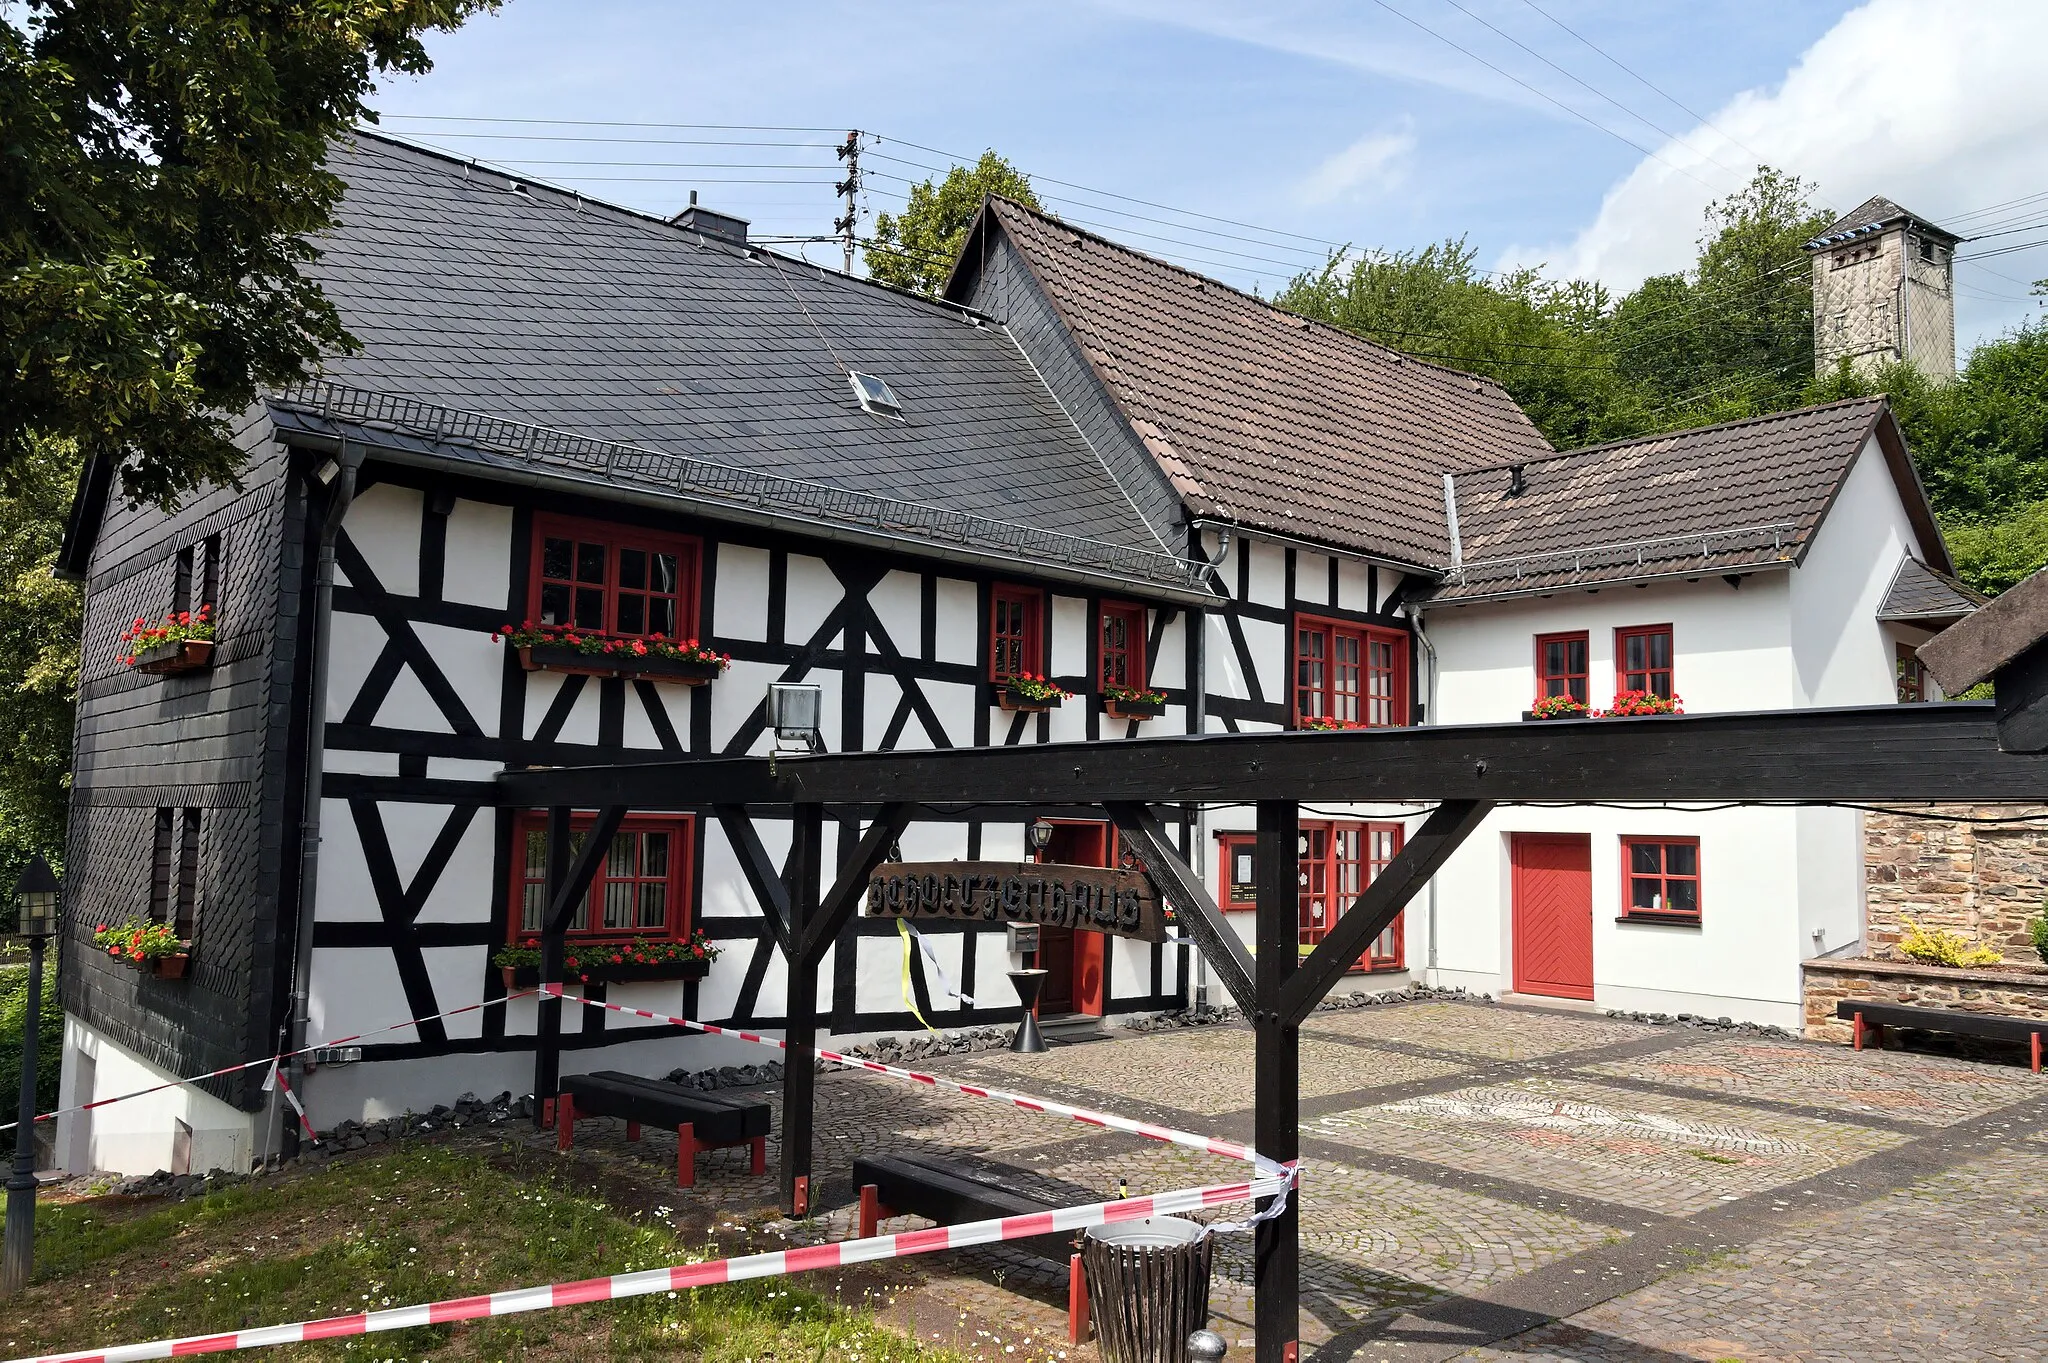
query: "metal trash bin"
1148, 1287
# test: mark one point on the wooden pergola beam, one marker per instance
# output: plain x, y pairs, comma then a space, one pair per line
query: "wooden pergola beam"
762, 876
1889, 752
1200, 918
1369, 915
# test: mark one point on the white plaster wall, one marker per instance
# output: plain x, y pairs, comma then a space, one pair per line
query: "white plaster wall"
813, 594
1069, 625
740, 605
895, 600
1843, 654
1742, 961
136, 1137
383, 522
958, 623
1732, 647
478, 566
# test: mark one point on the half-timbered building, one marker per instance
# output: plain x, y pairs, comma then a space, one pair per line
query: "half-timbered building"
1186, 509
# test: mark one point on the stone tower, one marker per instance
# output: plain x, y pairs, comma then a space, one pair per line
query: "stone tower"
1883, 290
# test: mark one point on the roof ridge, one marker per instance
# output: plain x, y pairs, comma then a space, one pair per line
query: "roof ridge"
1760, 419
1266, 304
640, 218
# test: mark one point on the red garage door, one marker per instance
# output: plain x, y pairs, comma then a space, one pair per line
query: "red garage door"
1553, 913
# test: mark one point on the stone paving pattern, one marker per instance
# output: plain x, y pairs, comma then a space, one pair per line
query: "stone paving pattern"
1545, 1185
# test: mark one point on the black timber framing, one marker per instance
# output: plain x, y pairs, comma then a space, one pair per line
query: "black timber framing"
1894, 753
567, 883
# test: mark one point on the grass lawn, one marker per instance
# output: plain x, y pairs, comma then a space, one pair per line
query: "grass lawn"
419, 1224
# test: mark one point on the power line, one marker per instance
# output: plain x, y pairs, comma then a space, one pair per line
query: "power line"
1582, 117
611, 123
1646, 122
1697, 117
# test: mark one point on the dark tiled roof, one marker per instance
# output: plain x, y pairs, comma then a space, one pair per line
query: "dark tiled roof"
1920, 593
1871, 214
1265, 418
1710, 500
535, 306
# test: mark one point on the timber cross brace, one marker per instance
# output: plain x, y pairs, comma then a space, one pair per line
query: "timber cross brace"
1459, 774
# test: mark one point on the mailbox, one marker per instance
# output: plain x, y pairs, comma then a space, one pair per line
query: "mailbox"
1023, 937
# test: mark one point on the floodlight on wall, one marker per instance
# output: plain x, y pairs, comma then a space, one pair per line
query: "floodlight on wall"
795, 710
35, 897
326, 469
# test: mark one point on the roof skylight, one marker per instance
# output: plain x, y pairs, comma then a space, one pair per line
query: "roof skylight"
873, 394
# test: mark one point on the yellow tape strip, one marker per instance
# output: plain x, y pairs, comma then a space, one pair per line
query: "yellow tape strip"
910, 995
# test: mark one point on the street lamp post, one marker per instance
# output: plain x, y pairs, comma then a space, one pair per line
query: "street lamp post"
36, 894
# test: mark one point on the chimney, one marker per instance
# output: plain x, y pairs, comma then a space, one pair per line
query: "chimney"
718, 226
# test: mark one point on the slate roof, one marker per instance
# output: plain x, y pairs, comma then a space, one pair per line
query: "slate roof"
1920, 594
1717, 499
1262, 417
1871, 215
479, 294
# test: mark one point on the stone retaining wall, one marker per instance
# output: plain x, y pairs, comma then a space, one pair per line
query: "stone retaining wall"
1984, 881
1828, 982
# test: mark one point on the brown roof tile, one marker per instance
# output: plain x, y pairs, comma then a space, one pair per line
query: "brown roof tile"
1741, 495
1263, 417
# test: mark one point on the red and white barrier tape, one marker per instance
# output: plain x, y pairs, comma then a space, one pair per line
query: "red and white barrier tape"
1151, 1132
684, 1276
54, 1113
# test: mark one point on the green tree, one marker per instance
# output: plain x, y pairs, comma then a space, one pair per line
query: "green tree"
163, 179
39, 629
1732, 337
916, 248
1538, 338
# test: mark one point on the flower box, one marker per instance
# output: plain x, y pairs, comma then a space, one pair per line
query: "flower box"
1133, 709
171, 967
178, 655
629, 972
562, 658
1010, 698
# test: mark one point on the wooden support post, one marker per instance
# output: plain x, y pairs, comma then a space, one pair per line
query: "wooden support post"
1276, 1077
2036, 1040
547, 1051
686, 1155
870, 1210
1077, 1302
799, 1066
568, 881
565, 1123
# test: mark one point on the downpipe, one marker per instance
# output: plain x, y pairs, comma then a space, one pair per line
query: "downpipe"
1429, 974
1198, 622
341, 493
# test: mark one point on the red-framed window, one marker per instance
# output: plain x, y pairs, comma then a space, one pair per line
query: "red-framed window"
1660, 878
1642, 660
1339, 858
1353, 674
641, 889
1121, 628
1561, 666
1912, 675
614, 579
1016, 632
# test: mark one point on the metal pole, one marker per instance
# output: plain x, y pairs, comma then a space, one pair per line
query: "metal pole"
1276, 1078
799, 1063
21, 1188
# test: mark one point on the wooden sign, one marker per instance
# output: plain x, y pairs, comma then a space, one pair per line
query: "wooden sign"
1097, 898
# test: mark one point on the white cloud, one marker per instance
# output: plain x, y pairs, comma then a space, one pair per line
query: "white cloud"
1939, 107
1374, 161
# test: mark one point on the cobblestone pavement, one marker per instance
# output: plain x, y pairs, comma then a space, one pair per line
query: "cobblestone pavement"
1492, 1182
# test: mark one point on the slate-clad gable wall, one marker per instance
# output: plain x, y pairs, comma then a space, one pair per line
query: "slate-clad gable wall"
999, 283
216, 741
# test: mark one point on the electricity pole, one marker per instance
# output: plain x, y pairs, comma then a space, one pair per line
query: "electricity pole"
849, 189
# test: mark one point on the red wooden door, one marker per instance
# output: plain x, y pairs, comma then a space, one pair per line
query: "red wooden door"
1075, 958
1553, 913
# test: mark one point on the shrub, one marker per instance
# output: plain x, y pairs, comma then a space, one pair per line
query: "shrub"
2039, 927
1942, 947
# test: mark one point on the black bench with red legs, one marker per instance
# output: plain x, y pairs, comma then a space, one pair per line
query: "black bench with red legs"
1869, 1020
701, 1120
897, 1185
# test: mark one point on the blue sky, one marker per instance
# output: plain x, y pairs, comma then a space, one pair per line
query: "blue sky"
1334, 122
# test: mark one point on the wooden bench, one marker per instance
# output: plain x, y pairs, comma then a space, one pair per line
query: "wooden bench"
1870, 1019
702, 1120
898, 1185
